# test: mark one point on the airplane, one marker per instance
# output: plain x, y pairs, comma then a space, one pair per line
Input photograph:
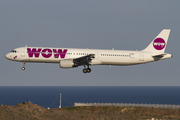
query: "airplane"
71, 57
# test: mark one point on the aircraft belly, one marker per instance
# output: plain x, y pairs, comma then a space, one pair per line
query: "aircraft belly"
119, 63
124, 61
44, 60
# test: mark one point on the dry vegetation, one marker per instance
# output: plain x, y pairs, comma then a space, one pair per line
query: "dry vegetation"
30, 111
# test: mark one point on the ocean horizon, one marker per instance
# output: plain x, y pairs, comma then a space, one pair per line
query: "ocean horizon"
48, 96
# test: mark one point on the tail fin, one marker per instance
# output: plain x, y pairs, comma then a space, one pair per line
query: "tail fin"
159, 43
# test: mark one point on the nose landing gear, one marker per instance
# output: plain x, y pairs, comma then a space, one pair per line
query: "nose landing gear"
23, 68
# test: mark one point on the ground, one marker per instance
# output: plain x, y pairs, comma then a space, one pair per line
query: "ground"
30, 111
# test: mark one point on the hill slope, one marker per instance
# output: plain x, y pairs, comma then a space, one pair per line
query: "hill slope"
32, 111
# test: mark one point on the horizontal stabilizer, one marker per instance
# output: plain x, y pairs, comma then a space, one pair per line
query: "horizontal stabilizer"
161, 56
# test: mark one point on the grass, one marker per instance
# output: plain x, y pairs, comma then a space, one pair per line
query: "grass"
72, 108
31, 111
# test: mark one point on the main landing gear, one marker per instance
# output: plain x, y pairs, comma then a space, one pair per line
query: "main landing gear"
86, 70
23, 68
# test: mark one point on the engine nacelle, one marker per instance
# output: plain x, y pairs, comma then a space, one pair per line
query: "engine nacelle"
66, 64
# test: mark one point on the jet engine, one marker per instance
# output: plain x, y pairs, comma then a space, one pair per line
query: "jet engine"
66, 64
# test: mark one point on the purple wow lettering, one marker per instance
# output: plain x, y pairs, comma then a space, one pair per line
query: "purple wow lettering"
33, 52
46, 53
59, 52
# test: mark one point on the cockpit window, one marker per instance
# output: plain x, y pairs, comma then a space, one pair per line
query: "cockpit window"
14, 51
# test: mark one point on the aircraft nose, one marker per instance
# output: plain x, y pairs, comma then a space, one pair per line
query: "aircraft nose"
7, 56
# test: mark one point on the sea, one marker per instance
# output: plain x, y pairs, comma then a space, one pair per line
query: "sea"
49, 96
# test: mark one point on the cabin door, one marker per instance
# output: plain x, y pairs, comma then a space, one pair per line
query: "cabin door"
23, 52
96, 56
141, 56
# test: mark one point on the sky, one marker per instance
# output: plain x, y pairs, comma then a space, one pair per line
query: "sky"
96, 24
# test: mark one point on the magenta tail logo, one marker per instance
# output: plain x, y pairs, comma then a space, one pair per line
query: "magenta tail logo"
159, 44
15, 57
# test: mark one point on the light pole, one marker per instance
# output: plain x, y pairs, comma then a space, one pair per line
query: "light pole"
60, 101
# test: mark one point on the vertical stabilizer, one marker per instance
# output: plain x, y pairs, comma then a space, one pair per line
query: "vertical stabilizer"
159, 43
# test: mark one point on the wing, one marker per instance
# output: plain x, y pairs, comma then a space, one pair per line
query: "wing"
85, 60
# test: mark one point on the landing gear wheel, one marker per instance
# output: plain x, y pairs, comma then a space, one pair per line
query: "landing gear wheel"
88, 70
84, 70
23, 68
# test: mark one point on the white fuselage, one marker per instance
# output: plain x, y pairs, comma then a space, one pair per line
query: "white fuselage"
69, 58
102, 57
